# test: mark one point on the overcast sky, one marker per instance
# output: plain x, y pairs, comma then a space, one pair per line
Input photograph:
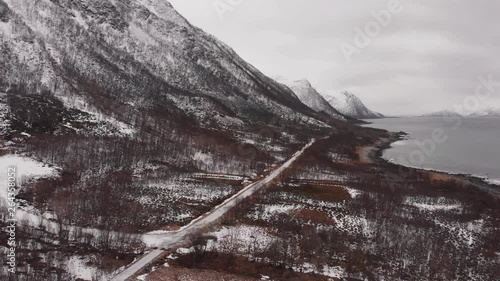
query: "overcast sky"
427, 57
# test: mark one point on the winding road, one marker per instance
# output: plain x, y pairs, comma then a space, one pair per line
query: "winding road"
167, 240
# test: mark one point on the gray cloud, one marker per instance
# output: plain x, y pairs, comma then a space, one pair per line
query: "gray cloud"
428, 58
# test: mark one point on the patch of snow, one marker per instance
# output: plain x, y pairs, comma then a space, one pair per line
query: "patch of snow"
25, 168
338, 158
79, 19
77, 267
184, 216
142, 277
250, 141
321, 175
28, 169
429, 207
137, 32
354, 193
352, 224
332, 272
494, 181
267, 212
428, 204
191, 191
80, 104
218, 176
185, 251
204, 158
464, 234
172, 257
243, 237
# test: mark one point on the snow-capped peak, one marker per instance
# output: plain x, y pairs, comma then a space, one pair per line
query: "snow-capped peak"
349, 104
309, 96
303, 83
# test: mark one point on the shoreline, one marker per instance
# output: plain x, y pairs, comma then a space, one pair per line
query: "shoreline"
375, 154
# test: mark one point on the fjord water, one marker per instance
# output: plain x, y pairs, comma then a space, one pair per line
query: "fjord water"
464, 145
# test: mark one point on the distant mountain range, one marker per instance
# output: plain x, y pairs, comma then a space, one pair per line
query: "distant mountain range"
489, 112
343, 106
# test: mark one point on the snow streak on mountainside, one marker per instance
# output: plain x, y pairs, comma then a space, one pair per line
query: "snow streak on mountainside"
310, 97
350, 105
125, 58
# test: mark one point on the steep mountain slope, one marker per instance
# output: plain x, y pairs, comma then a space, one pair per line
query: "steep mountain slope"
350, 105
117, 57
310, 97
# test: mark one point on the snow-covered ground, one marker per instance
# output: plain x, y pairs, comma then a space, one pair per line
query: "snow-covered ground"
329, 271
24, 168
98, 117
186, 190
28, 169
354, 193
463, 234
266, 211
243, 236
430, 204
78, 268
166, 239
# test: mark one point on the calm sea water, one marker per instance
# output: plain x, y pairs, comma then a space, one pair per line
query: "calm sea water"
468, 146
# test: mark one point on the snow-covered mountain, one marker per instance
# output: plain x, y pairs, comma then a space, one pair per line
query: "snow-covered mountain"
443, 113
124, 95
129, 59
487, 112
350, 105
490, 112
310, 97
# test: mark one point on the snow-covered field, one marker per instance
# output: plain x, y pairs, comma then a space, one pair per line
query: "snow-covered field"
243, 237
98, 118
28, 169
431, 204
267, 212
25, 169
78, 268
187, 191
168, 239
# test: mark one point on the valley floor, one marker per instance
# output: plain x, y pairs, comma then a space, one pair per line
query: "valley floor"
334, 211
342, 213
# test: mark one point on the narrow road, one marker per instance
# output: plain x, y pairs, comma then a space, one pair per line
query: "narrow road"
169, 239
